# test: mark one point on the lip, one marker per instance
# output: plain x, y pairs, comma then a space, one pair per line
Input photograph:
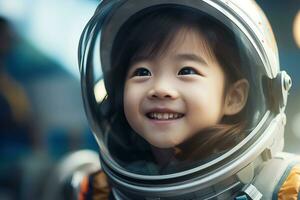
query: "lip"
163, 110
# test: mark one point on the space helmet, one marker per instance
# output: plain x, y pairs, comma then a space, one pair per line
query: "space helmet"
239, 37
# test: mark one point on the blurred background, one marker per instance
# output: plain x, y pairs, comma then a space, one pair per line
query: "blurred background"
41, 113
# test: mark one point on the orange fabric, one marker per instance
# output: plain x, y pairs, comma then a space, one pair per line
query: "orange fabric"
291, 186
84, 186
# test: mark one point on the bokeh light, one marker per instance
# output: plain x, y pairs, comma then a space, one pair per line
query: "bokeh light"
296, 125
296, 29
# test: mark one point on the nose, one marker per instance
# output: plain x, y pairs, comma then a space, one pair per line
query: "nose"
162, 90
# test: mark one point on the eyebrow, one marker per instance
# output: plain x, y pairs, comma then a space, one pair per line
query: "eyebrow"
137, 59
192, 57
184, 56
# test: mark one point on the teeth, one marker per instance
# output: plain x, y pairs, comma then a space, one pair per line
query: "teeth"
151, 115
159, 115
164, 116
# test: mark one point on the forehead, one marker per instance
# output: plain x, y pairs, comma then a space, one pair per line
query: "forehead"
186, 40
189, 40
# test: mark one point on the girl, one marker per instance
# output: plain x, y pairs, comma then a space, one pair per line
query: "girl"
188, 99
175, 88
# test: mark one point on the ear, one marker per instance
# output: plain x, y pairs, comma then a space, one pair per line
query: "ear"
236, 97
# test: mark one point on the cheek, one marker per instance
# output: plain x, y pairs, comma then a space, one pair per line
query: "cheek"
206, 100
128, 101
131, 101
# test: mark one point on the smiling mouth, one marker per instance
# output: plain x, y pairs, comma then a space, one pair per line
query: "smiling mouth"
164, 116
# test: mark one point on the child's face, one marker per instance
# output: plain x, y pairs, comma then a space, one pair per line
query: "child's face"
170, 98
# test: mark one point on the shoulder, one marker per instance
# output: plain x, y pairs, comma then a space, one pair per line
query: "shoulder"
288, 186
280, 177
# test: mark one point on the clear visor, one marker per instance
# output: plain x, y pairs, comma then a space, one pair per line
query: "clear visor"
183, 90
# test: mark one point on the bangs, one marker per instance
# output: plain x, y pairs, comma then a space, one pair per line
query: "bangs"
151, 33
153, 40
175, 36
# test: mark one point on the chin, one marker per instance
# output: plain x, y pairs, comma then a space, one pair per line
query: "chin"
163, 144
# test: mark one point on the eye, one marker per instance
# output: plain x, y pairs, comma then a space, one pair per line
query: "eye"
188, 71
141, 72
